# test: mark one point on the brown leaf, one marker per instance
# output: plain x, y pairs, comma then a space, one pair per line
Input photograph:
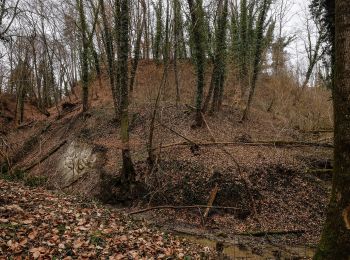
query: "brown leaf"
33, 235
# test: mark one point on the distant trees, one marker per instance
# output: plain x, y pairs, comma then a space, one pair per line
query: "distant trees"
259, 39
8, 12
216, 88
323, 11
221, 35
335, 239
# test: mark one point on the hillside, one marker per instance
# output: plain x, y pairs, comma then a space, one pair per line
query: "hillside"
272, 172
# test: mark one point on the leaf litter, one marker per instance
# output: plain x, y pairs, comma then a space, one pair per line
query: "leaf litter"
36, 224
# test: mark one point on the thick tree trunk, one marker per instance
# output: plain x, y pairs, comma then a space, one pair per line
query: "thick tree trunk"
335, 241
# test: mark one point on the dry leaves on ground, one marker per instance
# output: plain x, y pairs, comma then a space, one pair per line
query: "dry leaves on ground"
37, 224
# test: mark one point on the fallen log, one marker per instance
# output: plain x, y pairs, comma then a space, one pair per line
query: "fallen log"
280, 144
323, 174
179, 207
273, 232
318, 131
51, 152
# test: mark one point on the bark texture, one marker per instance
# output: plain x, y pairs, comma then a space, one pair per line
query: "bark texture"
335, 241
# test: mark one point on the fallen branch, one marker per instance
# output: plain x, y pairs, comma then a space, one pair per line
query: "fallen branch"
283, 144
51, 152
211, 200
24, 125
189, 141
278, 232
318, 131
320, 171
180, 207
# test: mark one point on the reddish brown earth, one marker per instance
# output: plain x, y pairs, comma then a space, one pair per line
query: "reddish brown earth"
277, 181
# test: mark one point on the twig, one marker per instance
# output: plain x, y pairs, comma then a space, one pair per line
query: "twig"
179, 207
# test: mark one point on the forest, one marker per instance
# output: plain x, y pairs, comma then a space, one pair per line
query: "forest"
174, 129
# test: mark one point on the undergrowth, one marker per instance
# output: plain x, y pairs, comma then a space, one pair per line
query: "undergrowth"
18, 175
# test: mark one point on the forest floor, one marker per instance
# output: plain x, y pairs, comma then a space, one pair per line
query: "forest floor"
35, 223
272, 177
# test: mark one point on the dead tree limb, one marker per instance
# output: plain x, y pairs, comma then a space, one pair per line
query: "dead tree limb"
180, 207
277, 232
318, 131
189, 141
211, 200
278, 144
51, 152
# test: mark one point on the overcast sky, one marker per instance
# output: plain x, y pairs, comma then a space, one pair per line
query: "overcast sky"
296, 24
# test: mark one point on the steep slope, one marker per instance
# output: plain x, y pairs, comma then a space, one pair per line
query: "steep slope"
266, 169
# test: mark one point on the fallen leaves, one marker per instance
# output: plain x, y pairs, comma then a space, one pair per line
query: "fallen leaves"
41, 225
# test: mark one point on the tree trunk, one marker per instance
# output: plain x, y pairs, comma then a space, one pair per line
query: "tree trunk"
220, 56
197, 22
110, 57
128, 171
84, 55
136, 55
335, 241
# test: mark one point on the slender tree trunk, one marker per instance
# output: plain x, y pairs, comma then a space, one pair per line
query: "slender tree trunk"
159, 32
197, 22
244, 44
84, 55
176, 46
312, 62
97, 69
220, 55
128, 171
110, 58
136, 55
335, 241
